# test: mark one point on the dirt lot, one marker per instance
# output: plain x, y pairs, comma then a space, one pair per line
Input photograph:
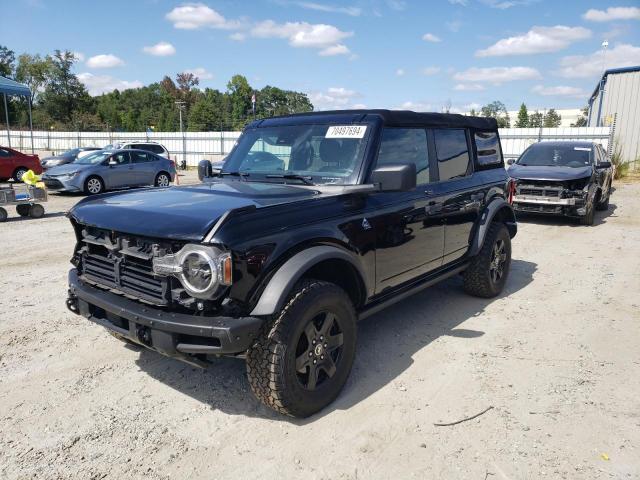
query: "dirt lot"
557, 356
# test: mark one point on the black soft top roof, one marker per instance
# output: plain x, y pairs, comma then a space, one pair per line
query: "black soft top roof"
392, 118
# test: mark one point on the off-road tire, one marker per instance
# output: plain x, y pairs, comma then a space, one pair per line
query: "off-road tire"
3, 215
271, 360
587, 219
478, 279
17, 175
89, 190
604, 205
23, 209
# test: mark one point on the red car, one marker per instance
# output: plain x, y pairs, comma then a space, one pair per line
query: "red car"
14, 164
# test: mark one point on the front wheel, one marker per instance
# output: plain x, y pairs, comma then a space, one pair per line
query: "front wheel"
93, 186
300, 362
488, 271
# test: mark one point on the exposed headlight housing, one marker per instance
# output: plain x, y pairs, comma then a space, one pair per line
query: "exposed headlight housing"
202, 270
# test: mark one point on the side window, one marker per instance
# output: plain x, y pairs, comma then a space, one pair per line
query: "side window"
156, 149
121, 158
140, 157
406, 145
488, 148
4, 153
452, 153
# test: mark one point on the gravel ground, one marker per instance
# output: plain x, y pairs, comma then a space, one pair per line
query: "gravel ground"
556, 356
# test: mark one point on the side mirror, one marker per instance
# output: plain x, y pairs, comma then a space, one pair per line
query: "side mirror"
204, 169
511, 161
395, 177
604, 165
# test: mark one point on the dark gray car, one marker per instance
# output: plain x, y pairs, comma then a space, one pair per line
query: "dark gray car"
65, 157
111, 169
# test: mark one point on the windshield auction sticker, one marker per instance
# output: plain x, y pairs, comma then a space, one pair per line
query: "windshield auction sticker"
346, 131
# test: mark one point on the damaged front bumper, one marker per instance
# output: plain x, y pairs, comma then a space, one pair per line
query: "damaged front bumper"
550, 200
187, 337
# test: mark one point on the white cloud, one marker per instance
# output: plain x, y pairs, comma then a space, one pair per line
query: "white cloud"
503, 5
238, 36
559, 91
584, 66
496, 75
160, 49
79, 56
359, 106
612, 13
536, 40
416, 106
305, 35
397, 4
193, 16
321, 7
468, 87
334, 98
454, 25
99, 84
428, 71
463, 3
201, 73
104, 61
430, 37
400, 72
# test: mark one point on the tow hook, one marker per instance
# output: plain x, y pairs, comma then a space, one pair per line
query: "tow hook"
144, 334
72, 303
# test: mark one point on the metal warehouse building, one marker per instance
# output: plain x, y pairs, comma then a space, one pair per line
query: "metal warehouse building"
616, 102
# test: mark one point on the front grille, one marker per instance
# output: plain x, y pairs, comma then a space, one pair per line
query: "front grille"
53, 183
539, 191
123, 264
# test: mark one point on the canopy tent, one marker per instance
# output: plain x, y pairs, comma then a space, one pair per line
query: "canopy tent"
11, 87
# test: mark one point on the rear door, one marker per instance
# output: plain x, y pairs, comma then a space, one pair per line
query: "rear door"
462, 199
144, 165
6, 163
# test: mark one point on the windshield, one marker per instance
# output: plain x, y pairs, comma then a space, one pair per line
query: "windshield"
94, 158
319, 154
70, 153
541, 155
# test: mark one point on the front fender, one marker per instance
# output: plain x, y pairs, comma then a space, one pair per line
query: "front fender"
504, 211
275, 293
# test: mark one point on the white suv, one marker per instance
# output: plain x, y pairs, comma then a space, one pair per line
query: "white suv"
153, 147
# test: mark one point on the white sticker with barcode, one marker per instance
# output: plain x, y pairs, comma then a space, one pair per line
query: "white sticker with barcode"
346, 131
582, 149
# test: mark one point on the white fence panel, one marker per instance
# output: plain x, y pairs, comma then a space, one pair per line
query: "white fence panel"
216, 145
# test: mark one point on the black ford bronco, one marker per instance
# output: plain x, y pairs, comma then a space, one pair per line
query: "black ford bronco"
314, 221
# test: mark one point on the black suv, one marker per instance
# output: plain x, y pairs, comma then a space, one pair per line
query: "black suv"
314, 222
562, 178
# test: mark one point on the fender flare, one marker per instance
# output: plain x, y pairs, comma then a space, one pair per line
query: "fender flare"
495, 205
275, 293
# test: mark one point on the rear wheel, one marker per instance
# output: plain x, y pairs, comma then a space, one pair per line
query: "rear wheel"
301, 361
93, 185
162, 180
3, 215
489, 269
36, 211
17, 175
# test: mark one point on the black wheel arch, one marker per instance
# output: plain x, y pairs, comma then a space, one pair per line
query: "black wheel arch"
498, 210
320, 262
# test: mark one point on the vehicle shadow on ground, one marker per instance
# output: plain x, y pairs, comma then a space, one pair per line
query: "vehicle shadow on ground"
18, 218
600, 218
386, 344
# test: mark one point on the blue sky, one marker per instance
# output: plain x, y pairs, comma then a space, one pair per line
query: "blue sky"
422, 55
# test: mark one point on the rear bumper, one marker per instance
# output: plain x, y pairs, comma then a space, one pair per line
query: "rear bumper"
172, 334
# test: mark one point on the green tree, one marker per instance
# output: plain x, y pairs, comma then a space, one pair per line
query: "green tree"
582, 119
523, 117
240, 91
552, 119
535, 120
497, 110
34, 71
7, 57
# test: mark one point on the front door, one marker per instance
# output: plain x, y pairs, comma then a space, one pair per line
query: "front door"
408, 225
120, 174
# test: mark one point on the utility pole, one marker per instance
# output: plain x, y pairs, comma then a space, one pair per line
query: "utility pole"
181, 105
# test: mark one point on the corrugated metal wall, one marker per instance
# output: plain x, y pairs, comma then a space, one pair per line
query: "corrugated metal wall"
621, 102
215, 145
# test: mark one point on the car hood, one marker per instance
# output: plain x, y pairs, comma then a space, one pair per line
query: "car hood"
180, 213
557, 174
65, 169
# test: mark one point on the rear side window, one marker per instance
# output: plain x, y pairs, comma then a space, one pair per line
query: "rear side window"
156, 149
4, 153
406, 145
141, 157
488, 147
452, 152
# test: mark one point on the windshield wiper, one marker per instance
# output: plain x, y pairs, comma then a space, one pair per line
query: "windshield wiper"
292, 176
234, 174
